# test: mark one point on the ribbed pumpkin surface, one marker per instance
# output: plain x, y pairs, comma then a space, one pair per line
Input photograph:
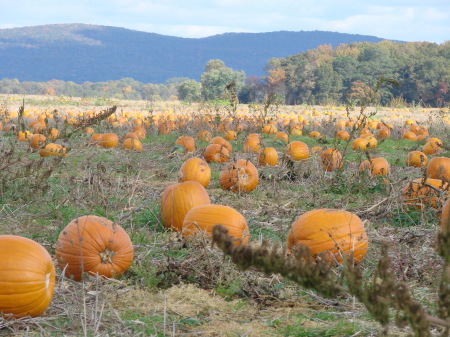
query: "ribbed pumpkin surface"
27, 276
204, 218
94, 245
333, 232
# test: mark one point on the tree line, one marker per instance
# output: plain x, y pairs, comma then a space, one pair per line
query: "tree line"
319, 76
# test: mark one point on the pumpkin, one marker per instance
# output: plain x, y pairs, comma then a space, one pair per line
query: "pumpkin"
204, 135
239, 176
195, 169
132, 144
52, 149
342, 135
331, 159
409, 135
359, 144
187, 142
384, 133
53, 133
252, 143
316, 149
222, 141
178, 199
297, 150
202, 219
431, 147
216, 153
445, 217
417, 194
270, 128
96, 138
439, 168
314, 134
268, 156
27, 277
375, 166
230, 135
130, 135
37, 140
282, 137
93, 245
416, 159
330, 233
109, 140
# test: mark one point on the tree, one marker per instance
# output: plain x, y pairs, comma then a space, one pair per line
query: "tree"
216, 77
190, 91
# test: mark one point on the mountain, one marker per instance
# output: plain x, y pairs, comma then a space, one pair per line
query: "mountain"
80, 52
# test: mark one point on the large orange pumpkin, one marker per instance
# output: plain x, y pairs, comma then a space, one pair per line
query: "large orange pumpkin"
109, 140
416, 159
195, 169
331, 232
375, 166
187, 142
178, 199
297, 150
216, 153
27, 277
439, 168
94, 245
222, 141
331, 159
268, 156
420, 195
239, 176
202, 219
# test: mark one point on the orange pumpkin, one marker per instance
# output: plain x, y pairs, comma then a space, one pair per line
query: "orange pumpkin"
195, 169
297, 150
431, 147
96, 138
109, 140
178, 199
239, 176
94, 245
204, 135
384, 133
314, 134
439, 168
132, 144
222, 141
282, 137
27, 277
331, 159
359, 144
330, 233
202, 219
445, 225
37, 140
216, 153
409, 135
230, 135
268, 156
52, 149
187, 142
252, 143
416, 159
342, 135
375, 166
417, 194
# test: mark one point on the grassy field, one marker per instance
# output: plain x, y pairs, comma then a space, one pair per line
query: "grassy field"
176, 288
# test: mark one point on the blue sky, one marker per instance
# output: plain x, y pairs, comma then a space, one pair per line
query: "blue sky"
413, 20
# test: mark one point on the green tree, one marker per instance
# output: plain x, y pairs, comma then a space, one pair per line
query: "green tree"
216, 77
190, 91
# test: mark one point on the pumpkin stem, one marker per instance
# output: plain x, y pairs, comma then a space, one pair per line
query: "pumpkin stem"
106, 256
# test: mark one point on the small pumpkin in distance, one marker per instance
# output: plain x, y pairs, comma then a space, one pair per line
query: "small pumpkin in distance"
27, 277
93, 245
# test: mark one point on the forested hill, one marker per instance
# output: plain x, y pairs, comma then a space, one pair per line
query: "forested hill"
79, 52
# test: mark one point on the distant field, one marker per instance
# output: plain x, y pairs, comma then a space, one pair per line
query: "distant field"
178, 288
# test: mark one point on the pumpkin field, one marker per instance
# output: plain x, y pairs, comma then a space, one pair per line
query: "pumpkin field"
333, 220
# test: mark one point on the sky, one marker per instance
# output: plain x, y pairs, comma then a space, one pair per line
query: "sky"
412, 20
